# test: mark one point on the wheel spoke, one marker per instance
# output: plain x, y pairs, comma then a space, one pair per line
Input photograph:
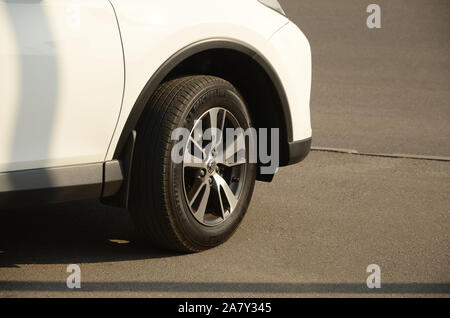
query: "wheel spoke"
236, 148
192, 161
222, 184
222, 124
200, 213
234, 164
195, 190
220, 201
217, 118
213, 117
193, 164
198, 150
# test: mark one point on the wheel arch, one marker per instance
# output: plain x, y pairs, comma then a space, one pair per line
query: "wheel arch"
243, 66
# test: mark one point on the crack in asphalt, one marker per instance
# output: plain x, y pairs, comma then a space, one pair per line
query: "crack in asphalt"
380, 155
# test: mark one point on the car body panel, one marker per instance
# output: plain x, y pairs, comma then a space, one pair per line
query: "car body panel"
153, 31
61, 82
292, 60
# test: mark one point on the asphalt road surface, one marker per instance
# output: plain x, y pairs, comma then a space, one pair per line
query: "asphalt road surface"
379, 90
316, 228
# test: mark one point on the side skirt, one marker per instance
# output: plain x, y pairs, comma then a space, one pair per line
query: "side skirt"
59, 184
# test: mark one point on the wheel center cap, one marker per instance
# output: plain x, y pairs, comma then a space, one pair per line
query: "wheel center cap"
211, 166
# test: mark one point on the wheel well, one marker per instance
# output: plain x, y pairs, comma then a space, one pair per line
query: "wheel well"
250, 74
250, 79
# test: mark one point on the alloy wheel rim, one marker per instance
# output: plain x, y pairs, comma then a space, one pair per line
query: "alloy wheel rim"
214, 167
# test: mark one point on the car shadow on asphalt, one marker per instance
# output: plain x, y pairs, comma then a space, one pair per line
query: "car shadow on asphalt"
71, 233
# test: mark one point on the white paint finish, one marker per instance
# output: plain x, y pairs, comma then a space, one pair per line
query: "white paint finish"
62, 74
152, 31
292, 61
61, 82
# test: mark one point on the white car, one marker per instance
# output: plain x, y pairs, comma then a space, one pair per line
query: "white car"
91, 92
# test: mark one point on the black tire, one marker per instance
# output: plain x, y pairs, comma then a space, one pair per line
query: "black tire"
158, 204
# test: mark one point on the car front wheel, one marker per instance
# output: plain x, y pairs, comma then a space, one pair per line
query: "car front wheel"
191, 180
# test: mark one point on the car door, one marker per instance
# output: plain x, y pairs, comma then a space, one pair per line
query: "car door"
61, 82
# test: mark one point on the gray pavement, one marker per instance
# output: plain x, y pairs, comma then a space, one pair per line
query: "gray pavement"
379, 90
315, 229
312, 232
